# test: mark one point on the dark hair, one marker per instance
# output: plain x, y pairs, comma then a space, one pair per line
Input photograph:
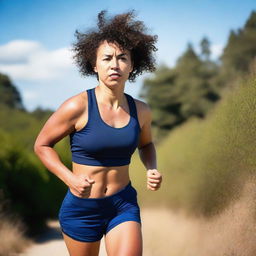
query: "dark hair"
124, 31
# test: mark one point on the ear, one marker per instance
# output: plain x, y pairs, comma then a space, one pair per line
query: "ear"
95, 70
131, 69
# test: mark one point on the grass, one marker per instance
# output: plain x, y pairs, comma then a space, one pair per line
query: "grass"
12, 236
205, 163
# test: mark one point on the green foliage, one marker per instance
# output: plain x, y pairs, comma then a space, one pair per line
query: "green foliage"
177, 94
205, 48
240, 50
195, 84
205, 163
32, 191
41, 114
9, 95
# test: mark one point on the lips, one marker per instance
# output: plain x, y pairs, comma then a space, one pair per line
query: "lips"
115, 74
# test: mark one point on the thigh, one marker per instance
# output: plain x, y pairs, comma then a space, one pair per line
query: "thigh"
81, 219
125, 239
77, 248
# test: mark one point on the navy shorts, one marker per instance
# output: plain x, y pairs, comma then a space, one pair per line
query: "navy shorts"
88, 219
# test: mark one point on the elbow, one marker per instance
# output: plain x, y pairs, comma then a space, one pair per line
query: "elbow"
36, 148
39, 147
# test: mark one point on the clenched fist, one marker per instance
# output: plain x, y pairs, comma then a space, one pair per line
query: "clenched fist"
81, 185
154, 179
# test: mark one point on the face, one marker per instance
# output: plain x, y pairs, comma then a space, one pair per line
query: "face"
113, 65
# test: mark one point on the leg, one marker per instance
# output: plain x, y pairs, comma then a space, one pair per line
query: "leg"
81, 225
125, 239
77, 248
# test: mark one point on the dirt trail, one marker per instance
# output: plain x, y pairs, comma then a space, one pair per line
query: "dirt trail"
52, 243
170, 233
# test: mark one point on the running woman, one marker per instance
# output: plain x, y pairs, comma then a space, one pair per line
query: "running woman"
105, 126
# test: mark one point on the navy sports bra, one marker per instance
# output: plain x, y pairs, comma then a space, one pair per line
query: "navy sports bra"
98, 143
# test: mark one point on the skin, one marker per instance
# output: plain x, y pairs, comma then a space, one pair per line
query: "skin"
99, 181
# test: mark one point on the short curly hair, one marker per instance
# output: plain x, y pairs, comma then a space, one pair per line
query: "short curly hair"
123, 30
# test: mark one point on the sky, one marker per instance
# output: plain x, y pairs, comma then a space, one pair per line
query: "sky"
36, 38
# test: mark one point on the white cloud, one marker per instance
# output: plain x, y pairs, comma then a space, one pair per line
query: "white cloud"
29, 95
216, 50
17, 51
30, 61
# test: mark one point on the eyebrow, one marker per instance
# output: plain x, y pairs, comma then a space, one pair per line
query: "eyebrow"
109, 55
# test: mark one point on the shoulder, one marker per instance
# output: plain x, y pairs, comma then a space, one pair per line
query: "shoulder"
142, 106
73, 106
144, 111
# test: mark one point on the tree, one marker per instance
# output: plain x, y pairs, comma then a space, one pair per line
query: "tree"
9, 95
205, 48
179, 93
240, 50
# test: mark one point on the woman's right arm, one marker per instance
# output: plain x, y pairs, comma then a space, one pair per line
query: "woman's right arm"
60, 124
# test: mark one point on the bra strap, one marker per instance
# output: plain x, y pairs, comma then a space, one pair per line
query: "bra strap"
91, 105
132, 105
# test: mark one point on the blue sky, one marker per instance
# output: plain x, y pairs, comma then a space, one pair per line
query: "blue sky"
36, 36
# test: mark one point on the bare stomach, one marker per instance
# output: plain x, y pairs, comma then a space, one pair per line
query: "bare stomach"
108, 180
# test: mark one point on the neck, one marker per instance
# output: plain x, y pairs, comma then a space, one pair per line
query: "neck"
113, 98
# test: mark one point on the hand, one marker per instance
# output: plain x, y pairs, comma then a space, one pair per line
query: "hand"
80, 185
154, 179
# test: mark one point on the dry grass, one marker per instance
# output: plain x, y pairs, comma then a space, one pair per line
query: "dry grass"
231, 233
12, 240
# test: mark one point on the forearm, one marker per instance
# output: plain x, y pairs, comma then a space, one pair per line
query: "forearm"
52, 162
148, 156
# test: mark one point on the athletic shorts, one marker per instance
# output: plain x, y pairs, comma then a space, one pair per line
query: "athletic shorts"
88, 219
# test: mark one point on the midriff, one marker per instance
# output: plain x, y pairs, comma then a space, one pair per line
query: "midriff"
108, 180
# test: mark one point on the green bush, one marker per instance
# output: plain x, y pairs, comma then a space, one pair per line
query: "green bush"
32, 191
206, 162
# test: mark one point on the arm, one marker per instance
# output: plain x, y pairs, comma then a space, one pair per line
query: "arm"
56, 127
147, 151
60, 124
148, 156
146, 147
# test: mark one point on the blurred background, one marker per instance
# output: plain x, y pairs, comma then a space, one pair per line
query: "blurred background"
204, 124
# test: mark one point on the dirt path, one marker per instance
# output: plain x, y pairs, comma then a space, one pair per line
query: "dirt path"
52, 243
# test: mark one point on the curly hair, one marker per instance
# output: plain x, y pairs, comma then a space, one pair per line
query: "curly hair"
122, 29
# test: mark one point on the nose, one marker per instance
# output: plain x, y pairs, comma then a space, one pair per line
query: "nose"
114, 63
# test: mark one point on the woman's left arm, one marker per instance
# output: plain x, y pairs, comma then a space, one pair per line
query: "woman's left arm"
147, 151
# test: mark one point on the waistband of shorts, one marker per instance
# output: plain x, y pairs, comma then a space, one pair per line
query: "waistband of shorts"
102, 199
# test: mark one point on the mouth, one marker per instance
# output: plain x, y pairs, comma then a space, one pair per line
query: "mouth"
115, 75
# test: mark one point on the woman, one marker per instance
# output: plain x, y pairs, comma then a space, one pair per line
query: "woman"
105, 126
